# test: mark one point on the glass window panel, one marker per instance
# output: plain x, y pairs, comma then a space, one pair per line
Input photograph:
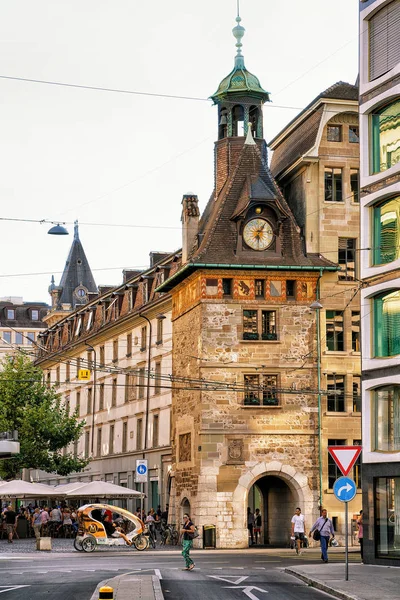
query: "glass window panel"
335, 385
251, 390
386, 240
250, 325
333, 184
34, 315
6, 335
386, 137
227, 287
387, 516
347, 258
10, 313
333, 470
355, 330
356, 393
19, 338
334, 331
354, 185
270, 384
387, 418
387, 324
334, 133
259, 288
354, 136
268, 325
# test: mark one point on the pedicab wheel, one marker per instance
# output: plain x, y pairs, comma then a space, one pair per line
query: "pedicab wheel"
141, 542
89, 544
78, 545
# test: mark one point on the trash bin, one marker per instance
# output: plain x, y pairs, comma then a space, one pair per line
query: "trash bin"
209, 536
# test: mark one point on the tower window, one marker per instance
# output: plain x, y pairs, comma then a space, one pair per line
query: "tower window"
227, 287
237, 121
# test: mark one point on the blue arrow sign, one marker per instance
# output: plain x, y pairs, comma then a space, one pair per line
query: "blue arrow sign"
142, 469
344, 489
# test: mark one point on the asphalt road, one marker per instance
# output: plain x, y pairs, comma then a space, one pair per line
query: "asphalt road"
218, 575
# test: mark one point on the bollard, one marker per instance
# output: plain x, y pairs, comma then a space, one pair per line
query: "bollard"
106, 592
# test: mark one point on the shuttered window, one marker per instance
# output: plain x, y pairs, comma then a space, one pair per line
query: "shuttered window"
384, 33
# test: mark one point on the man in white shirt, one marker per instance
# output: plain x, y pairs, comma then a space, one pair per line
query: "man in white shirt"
298, 529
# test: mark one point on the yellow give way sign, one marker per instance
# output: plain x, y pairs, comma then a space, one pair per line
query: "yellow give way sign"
84, 374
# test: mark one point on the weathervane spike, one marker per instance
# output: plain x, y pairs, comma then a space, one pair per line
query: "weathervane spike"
238, 33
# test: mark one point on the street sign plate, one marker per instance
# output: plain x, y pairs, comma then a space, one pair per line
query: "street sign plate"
141, 471
345, 456
344, 489
84, 374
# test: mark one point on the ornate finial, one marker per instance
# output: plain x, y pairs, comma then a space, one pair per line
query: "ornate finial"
238, 33
76, 232
249, 138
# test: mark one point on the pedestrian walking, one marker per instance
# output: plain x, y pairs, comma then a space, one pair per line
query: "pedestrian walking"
323, 530
250, 524
10, 518
36, 522
257, 526
298, 529
360, 534
187, 542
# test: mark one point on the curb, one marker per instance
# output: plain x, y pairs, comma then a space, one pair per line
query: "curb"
158, 595
319, 585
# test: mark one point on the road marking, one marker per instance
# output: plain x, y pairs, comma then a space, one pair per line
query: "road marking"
255, 568
10, 588
248, 590
229, 578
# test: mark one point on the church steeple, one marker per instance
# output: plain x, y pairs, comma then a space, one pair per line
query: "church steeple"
239, 96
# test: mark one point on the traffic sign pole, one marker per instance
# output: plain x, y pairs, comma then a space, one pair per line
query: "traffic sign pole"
346, 516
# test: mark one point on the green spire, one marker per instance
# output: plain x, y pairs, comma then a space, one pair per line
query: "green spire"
240, 81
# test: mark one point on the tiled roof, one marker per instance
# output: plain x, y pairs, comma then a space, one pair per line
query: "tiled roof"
302, 138
251, 178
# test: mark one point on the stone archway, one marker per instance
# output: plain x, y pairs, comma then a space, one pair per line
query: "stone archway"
296, 482
185, 508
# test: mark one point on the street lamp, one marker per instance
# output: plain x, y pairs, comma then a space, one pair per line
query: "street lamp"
58, 230
317, 306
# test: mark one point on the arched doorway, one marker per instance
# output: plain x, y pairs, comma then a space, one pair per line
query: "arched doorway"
276, 501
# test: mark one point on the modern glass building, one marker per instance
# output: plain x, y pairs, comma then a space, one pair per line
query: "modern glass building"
380, 275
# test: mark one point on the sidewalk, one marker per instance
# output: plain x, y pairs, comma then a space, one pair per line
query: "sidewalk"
126, 587
366, 582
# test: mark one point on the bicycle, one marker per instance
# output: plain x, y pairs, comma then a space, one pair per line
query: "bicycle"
169, 534
151, 534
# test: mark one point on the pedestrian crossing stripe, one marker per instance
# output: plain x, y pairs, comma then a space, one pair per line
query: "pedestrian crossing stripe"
8, 588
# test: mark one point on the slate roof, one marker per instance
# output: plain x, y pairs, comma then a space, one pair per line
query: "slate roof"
301, 139
23, 315
250, 179
76, 272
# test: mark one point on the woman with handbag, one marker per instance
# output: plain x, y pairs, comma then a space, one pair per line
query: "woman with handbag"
188, 532
323, 530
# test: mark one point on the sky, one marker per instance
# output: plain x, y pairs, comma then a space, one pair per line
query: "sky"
120, 163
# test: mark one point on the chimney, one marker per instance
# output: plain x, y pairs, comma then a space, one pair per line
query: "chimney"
190, 224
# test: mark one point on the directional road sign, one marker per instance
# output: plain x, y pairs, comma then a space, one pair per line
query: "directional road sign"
344, 489
345, 456
141, 471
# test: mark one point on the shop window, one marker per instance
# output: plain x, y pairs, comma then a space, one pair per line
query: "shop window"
387, 324
354, 135
334, 331
383, 42
259, 324
227, 288
261, 390
386, 237
355, 330
387, 418
387, 511
333, 184
347, 259
386, 137
333, 470
356, 393
355, 185
335, 385
334, 133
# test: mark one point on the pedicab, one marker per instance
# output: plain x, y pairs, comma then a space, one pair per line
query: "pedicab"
94, 530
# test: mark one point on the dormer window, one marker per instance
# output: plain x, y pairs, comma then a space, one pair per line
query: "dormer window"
34, 314
11, 313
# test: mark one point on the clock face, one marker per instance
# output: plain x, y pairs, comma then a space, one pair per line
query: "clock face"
258, 234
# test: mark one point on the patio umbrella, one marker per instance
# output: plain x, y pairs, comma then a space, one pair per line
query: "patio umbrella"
101, 489
24, 489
